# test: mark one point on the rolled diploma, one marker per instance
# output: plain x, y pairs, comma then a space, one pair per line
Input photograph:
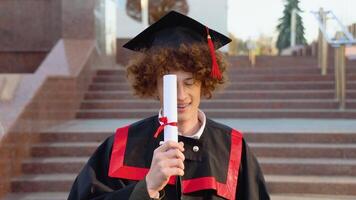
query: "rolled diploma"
170, 106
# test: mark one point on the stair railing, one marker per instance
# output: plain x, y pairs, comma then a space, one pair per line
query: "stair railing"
341, 39
2, 131
251, 46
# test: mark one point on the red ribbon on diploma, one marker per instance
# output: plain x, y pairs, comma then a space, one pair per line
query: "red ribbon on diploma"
164, 121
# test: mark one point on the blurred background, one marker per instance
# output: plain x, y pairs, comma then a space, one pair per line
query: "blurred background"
291, 88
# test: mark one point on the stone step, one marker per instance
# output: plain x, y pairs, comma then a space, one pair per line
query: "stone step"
64, 195
223, 113
311, 138
292, 150
325, 185
232, 86
325, 85
238, 71
333, 185
105, 72
247, 78
308, 166
304, 196
288, 77
54, 165
265, 137
350, 105
218, 103
273, 61
43, 183
66, 105
219, 94
38, 196
270, 165
58, 196
233, 94
64, 149
48, 96
45, 137
286, 70
281, 113
50, 114
304, 150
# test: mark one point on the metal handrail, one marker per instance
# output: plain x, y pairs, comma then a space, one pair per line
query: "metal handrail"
342, 38
348, 40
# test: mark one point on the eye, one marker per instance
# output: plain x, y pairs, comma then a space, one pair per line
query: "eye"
189, 82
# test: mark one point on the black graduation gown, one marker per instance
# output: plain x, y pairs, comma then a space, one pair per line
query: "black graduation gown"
223, 167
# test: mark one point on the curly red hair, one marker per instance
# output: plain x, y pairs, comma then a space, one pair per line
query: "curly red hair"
144, 70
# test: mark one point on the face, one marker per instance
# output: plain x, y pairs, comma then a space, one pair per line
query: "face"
188, 96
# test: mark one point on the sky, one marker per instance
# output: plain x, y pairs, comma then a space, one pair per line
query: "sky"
251, 18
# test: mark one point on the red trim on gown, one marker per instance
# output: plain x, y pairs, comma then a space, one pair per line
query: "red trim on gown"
228, 190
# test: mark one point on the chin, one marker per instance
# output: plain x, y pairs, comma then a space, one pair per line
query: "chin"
182, 118
185, 117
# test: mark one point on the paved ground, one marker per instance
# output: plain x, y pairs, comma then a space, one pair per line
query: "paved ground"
244, 125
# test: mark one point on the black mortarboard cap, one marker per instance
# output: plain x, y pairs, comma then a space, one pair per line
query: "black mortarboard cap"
175, 29
172, 30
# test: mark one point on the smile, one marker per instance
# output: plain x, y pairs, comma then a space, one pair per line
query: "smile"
182, 106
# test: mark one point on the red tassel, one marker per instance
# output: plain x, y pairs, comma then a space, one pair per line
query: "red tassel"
215, 71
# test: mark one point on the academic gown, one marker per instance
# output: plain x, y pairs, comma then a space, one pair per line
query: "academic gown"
219, 165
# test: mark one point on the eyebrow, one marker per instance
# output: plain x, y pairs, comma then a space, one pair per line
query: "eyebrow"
189, 78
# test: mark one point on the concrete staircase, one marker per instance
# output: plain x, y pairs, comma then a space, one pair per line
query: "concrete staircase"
273, 92
297, 164
300, 164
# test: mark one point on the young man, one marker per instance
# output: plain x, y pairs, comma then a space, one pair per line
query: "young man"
211, 160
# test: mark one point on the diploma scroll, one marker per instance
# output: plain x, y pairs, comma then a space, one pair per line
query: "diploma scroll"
170, 106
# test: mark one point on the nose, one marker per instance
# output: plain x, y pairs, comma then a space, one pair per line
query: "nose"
181, 94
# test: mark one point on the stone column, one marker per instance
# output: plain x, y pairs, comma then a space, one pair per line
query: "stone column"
92, 19
323, 46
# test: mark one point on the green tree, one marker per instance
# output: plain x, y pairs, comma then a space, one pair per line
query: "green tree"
284, 28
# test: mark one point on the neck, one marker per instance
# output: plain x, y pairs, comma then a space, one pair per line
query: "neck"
188, 128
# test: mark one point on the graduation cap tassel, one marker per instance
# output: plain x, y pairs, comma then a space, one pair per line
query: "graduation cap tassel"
215, 71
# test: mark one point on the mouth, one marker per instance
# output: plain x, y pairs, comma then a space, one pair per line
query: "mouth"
182, 107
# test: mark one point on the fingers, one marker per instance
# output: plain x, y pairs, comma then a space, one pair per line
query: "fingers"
175, 151
167, 161
174, 171
171, 163
169, 156
171, 145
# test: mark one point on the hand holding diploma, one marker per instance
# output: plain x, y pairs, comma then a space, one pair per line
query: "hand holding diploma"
168, 159
169, 119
